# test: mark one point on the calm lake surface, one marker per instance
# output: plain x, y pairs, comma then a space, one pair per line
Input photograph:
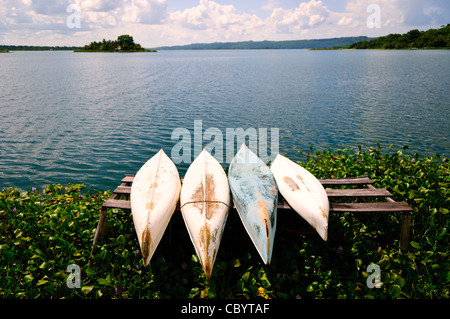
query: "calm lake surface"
92, 117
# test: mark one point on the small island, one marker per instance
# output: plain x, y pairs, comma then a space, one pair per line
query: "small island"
124, 43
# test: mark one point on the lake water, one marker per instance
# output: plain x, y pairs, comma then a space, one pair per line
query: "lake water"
92, 117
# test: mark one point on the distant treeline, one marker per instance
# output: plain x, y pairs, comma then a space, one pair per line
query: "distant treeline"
433, 38
35, 48
291, 44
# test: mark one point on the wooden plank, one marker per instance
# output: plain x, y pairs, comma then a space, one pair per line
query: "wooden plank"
375, 192
360, 207
384, 207
128, 178
360, 192
122, 190
334, 207
117, 203
346, 181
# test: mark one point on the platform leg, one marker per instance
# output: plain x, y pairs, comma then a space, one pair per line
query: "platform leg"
101, 227
404, 231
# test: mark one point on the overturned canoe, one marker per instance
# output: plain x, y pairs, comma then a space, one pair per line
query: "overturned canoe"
255, 195
204, 203
154, 195
303, 192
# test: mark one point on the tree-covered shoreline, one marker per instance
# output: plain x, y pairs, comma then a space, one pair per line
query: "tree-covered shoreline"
10, 48
414, 39
124, 43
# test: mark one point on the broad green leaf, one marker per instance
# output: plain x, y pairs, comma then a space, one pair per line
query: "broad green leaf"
28, 278
42, 281
415, 244
86, 289
395, 291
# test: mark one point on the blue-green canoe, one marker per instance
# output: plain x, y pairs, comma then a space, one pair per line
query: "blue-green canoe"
255, 195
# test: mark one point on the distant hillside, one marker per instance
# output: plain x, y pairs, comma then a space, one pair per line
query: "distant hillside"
292, 44
433, 38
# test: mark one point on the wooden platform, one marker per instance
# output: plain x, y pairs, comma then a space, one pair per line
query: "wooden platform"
121, 199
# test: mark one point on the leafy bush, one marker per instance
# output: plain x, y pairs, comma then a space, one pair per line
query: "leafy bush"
43, 232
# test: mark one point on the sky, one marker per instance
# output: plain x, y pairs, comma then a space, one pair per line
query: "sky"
154, 23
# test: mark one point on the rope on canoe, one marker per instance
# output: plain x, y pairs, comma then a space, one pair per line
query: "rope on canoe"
205, 201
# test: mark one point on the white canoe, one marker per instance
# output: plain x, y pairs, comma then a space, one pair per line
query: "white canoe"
154, 195
204, 202
255, 195
303, 192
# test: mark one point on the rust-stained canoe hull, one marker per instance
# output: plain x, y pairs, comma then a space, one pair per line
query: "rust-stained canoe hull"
303, 192
204, 203
154, 195
255, 195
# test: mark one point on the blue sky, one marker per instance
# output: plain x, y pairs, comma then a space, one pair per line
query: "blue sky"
173, 22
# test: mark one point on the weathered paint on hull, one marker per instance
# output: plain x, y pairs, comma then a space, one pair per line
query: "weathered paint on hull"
255, 195
303, 192
204, 202
154, 196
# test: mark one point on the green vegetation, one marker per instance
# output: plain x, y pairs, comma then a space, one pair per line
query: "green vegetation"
430, 39
43, 232
4, 51
292, 44
124, 43
36, 48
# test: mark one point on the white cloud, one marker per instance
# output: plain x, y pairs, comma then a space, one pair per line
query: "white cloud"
210, 21
211, 15
307, 15
99, 5
145, 11
270, 5
106, 13
346, 21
